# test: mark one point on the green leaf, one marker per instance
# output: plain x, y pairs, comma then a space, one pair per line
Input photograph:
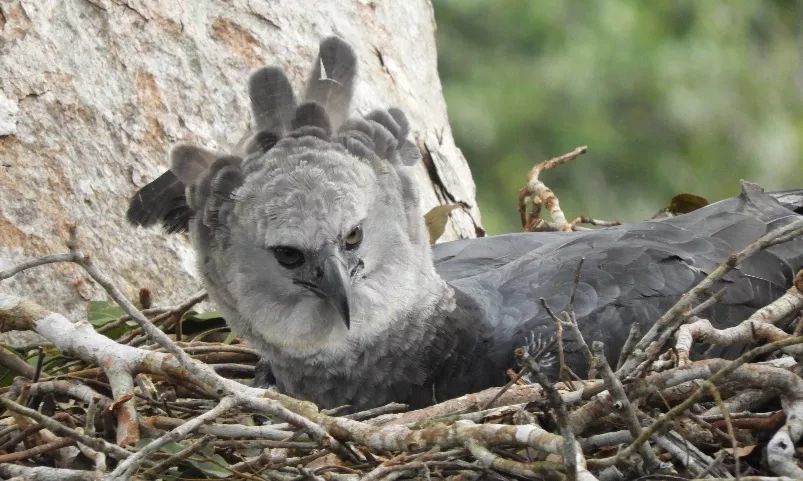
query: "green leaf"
230, 337
99, 313
211, 465
205, 461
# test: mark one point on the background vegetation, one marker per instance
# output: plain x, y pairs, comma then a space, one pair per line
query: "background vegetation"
671, 97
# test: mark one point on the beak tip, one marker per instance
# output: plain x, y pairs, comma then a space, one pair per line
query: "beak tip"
336, 284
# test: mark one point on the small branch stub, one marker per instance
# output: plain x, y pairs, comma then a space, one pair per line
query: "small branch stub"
542, 197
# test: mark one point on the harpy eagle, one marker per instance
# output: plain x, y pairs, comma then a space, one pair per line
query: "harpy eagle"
312, 243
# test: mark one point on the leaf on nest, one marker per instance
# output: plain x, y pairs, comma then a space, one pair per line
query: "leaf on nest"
211, 465
205, 460
681, 204
99, 313
436, 220
685, 203
741, 451
230, 337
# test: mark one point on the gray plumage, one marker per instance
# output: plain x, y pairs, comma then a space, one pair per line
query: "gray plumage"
313, 245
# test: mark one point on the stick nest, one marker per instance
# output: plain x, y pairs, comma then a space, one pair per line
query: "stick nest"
143, 392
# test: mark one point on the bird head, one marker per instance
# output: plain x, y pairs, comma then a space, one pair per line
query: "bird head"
314, 237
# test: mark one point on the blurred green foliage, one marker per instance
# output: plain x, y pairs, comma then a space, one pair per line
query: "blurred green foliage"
670, 97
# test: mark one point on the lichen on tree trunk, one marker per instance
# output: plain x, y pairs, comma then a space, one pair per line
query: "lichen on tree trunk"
93, 92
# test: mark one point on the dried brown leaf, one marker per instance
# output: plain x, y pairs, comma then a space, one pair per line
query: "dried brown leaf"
436, 220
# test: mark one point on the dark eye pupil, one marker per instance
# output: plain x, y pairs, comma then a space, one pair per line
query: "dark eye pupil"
288, 256
354, 238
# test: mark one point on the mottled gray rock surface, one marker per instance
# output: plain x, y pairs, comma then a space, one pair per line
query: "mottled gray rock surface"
93, 92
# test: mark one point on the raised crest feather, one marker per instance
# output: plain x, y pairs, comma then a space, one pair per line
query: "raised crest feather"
273, 102
331, 83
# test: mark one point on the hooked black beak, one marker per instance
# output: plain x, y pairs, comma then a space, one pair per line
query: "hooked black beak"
336, 283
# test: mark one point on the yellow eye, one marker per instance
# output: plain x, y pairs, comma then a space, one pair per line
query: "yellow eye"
354, 238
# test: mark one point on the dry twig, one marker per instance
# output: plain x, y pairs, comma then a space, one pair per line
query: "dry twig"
540, 196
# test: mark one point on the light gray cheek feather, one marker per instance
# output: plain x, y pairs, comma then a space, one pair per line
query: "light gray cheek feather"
285, 327
290, 327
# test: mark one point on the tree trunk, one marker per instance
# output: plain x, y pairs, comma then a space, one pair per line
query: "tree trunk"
93, 93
